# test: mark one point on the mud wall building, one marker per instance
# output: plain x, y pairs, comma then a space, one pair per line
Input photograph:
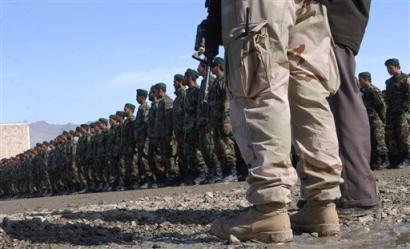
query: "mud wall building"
14, 139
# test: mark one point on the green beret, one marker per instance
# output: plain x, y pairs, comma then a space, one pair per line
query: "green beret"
130, 106
161, 86
103, 120
191, 72
46, 143
65, 133
178, 77
365, 75
119, 114
77, 129
392, 62
142, 92
219, 61
85, 126
38, 144
92, 125
112, 116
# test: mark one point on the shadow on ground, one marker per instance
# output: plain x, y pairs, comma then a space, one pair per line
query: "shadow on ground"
119, 226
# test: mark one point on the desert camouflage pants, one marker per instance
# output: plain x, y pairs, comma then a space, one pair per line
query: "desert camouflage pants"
279, 75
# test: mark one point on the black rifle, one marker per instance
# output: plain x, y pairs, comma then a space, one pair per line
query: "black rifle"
208, 39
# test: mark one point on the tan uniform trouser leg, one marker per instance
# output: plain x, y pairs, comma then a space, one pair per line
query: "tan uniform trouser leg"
279, 75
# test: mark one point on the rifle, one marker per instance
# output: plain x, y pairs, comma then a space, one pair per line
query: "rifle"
208, 39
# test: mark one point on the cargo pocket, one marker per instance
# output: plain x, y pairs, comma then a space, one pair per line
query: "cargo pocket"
248, 63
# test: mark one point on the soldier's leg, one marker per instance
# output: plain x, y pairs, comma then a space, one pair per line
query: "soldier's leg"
207, 147
403, 139
359, 187
197, 167
181, 162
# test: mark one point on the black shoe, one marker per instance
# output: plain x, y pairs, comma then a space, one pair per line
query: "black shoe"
358, 211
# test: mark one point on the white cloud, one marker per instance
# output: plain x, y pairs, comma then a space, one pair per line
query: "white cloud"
147, 77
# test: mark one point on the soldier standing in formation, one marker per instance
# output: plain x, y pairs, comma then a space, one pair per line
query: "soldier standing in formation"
376, 111
397, 115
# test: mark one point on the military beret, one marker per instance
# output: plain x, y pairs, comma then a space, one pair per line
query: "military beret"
92, 125
65, 133
191, 72
130, 106
119, 113
103, 120
219, 61
142, 92
46, 143
178, 77
365, 75
85, 126
161, 86
392, 62
38, 144
77, 129
112, 116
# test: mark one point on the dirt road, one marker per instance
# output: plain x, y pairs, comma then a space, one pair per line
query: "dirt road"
179, 217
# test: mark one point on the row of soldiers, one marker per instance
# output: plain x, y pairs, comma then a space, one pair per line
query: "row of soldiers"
186, 141
389, 117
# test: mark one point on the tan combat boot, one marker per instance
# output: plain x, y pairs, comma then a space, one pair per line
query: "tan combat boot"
317, 217
264, 223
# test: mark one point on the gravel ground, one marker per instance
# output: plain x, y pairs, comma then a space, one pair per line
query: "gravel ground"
179, 217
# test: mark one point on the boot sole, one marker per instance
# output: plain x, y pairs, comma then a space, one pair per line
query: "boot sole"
264, 237
276, 237
322, 229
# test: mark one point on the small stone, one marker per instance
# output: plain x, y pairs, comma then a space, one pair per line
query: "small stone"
209, 194
315, 235
406, 210
233, 240
366, 218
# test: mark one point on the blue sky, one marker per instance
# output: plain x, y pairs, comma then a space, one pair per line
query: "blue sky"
75, 61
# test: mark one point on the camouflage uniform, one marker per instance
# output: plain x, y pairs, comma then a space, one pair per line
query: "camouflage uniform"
164, 133
108, 170
141, 133
193, 156
178, 126
398, 118
205, 135
154, 157
119, 170
129, 147
376, 110
218, 117
275, 80
73, 180
80, 160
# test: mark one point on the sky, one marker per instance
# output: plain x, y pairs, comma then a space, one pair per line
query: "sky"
75, 61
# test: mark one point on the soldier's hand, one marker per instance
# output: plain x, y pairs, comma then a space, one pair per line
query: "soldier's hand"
227, 128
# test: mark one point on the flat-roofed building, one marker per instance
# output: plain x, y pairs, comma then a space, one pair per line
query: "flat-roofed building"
14, 139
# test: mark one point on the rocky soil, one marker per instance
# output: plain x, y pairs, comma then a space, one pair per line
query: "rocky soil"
179, 217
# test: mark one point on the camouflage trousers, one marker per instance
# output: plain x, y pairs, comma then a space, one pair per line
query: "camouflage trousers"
193, 157
168, 157
181, 163
377, 136
279, 76
207, 147
225, 151
129, 164
154, 158
397, 136
118, 171
142, 161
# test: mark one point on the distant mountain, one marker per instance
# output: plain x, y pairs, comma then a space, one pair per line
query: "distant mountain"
42, 131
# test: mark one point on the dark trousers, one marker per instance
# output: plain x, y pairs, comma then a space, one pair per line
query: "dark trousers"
353, 131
